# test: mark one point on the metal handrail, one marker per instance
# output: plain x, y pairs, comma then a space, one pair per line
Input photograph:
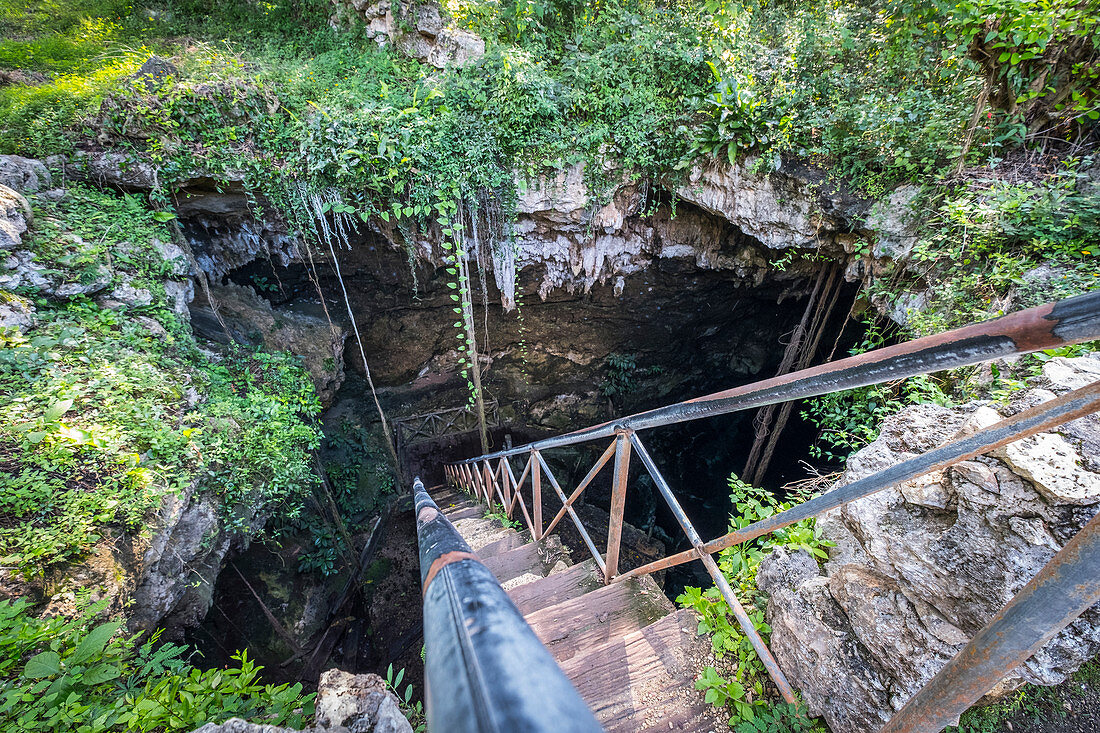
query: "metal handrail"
485, 670
1066, 322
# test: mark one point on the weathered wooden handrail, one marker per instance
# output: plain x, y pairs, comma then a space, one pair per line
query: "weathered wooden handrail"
1066, 322
429, 425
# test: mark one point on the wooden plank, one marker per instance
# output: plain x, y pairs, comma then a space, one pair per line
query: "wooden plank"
576, 581
645, 681
510, 541
608, 613
514, 563
464, 513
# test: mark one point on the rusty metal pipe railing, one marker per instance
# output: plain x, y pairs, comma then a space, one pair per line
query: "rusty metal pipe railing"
1064, 589
1069, 321
485, 670
1038, 419
716, 575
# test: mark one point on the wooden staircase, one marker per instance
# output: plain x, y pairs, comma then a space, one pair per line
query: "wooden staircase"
632, 656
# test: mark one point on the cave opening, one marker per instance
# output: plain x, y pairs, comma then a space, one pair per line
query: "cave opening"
669, 330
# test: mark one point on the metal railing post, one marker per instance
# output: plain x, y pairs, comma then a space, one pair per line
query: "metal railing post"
487, 474
715, 572
536, 495
618, 504
504, 476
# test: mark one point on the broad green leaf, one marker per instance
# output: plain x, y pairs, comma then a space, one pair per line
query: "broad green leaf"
56, 410
94, 642
42, 665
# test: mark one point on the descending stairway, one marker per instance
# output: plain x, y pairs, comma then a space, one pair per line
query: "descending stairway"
632, 656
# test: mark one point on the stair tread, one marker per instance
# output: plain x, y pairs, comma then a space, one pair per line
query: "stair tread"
644, 681
524, 560
574, 582
572, 626
454, 513
510, 540
453, 497
479, 531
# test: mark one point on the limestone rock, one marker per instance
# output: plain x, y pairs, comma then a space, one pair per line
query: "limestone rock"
788, 206
894, 223
360, 702
156, 69
420, 30
24, 175
919, 569
346, 703
181, 563
21, 270
16, 312
15, 218
117, 170
251, 319
128, 295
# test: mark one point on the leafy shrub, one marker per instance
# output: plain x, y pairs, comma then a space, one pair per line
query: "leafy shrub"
744, 693
80, 674
96, 426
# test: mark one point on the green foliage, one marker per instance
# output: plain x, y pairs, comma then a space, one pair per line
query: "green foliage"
1039, 58
360, 480
782, 717
743, 692
413, 709
623, 374
1037, 703
82, 674
96, 426
851, 419
987, 241
497, 513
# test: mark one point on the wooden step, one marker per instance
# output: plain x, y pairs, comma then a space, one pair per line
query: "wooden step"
602, 615
533, 559
452, 497
479, 531
645, 680
510, 541
463, 512
574, 582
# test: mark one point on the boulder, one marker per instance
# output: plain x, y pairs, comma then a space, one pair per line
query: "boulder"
346, 703
24, 175
16, 312
919, 569
15, 218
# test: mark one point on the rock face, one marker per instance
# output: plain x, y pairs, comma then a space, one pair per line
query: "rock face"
421, 30
351, 703
251, 319
15, 218
918, 570
24, 175
791, 205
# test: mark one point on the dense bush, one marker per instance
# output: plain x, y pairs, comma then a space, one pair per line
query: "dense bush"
84, 674
96, 425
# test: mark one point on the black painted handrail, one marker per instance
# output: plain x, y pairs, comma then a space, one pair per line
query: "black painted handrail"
485, 670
